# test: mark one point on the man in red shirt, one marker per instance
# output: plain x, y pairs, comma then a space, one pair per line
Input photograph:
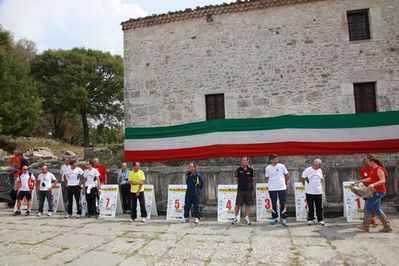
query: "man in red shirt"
364, 174
102, 170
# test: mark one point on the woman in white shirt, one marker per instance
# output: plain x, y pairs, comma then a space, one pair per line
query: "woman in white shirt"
91, 188
277, 184
311, 178
74, 186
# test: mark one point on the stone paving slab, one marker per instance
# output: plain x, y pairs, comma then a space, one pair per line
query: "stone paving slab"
58, 241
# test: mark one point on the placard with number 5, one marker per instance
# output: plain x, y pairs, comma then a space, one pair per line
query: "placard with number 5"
176, 200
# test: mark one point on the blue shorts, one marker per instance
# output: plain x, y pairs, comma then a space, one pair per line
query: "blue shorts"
24, 194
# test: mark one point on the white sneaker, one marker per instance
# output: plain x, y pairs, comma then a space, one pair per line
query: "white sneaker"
196, 221
186, 220
66, 216
235, 221
131, 220
39, 214
284, 222
143, 220
310, 223
247, 221
322, 223
49, 214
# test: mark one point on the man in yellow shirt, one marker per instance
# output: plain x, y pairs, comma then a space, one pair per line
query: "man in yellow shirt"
136, 180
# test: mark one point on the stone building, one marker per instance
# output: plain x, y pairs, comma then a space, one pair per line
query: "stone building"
264, 58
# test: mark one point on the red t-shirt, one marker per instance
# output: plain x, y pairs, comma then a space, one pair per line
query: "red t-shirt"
103, 171
374, 178
365, 173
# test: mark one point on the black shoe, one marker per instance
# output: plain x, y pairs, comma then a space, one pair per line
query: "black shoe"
16, 213
27, 213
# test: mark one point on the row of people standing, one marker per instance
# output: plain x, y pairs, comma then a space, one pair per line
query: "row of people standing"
278, 176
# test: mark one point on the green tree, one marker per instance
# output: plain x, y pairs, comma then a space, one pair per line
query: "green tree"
19, 102
83, 81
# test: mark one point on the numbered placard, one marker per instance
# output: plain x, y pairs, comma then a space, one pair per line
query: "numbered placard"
149, 198
301, 206
56, 197
176, 200
263, 203
226, 202
108, 200
353, 204
83, 205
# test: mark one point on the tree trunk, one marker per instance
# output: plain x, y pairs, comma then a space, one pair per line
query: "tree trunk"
85, 123
56, 125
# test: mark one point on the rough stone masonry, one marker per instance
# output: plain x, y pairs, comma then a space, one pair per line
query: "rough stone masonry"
289, 58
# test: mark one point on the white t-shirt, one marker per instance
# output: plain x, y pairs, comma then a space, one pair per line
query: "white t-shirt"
24, 177
276, 175
314, 177
64, 169
73, 176
45, 179
91, 176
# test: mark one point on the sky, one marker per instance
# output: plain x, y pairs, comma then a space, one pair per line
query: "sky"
95, 24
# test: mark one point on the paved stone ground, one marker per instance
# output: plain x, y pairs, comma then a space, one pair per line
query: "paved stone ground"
56, 241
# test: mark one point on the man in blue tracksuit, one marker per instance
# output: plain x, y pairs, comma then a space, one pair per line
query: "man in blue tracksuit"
195, 182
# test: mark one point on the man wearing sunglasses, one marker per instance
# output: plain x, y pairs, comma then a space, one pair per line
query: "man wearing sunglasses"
25, 183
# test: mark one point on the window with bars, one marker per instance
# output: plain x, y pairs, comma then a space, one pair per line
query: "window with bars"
358, 24
214, 106
365, 100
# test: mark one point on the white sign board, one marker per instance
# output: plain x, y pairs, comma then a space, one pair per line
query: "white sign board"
353, 205
176, 200
109, 202
263, 203
149, 197
56, 196
83, 205
301, 206
264, 206
226, 202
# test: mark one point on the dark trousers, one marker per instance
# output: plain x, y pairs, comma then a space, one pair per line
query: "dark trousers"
125, 197
313, 200
191, 201
91, 200
74, 191
64, 193
45, 195
282, 197
142, 205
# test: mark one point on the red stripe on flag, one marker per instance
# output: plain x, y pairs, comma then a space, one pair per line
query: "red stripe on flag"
282, 148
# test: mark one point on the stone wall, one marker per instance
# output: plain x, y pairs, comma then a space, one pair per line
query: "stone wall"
282, 60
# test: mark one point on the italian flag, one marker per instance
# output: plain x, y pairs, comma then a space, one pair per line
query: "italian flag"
284, 135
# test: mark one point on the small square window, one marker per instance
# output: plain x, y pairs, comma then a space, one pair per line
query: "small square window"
358, 25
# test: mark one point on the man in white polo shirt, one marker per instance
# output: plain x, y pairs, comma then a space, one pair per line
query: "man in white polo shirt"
277, 183
312, 178
25, 183
45, 181
74, 187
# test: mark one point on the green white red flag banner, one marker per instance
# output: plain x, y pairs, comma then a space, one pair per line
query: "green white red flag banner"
284, 135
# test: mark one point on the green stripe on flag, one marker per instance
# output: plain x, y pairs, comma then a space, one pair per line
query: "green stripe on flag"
251, 124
